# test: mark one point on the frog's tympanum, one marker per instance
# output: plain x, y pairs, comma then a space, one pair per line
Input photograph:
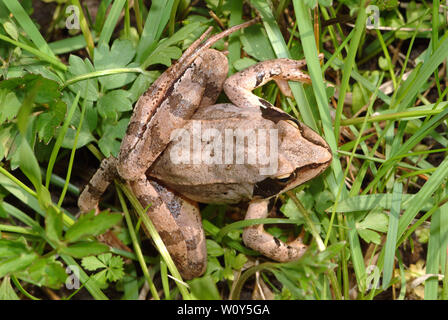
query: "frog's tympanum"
180, 148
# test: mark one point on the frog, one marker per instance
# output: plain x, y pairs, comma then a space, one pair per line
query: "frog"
170, 185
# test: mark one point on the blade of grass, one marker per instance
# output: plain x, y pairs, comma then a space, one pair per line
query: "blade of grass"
84, 25
111, 21
433, 257
391, 240
136, 246
418, 77
164, 276
41, 55
72, 154
101, 14
236, 12
349, 64
422, 132
59, 139
335, 181
70, 44
444, 248
29, 27
138, 17
415, 204
157, 240
156, 21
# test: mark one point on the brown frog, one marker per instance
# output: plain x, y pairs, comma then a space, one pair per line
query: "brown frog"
180, 148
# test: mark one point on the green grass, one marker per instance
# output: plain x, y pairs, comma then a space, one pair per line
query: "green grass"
376, 220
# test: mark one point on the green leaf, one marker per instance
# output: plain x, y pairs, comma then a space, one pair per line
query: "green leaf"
112, 103
92, 263
141, 84
113, 265
115, 269
16, 263
8, 134
12, 248
243, 63
214, 249
214, 269
163, 55
6, 290
383, 63
9, 104
79, 67
11, 30
370, 236
204, 288
110, 142
28, 164
90, 224
85, 137
120, 55
376, 221
84, 248
45, 272
238, 262
100, 279
48, 121
53, 225
256, 44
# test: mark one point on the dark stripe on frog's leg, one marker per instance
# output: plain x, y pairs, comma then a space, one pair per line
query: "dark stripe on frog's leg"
260, 78
239, 86
258, 239
178, 223
91, 195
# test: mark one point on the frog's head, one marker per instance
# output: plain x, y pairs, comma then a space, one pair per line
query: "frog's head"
302, 155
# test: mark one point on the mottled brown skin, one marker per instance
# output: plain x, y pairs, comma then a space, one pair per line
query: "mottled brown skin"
186, 93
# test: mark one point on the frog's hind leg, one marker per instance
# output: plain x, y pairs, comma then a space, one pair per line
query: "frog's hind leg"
198, 86
258, 239
239, 86
178, 222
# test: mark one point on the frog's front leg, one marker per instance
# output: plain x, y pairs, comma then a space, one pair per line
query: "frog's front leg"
258, 239
178, 222
239, 86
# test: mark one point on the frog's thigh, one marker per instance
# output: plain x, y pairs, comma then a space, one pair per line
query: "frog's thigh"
198, 86
179, 224
258, 239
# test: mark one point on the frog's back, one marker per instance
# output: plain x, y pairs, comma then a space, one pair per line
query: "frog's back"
218, 169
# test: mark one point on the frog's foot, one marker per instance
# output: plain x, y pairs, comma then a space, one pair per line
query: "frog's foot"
91, 195
178, 222
239, 86
258, 239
